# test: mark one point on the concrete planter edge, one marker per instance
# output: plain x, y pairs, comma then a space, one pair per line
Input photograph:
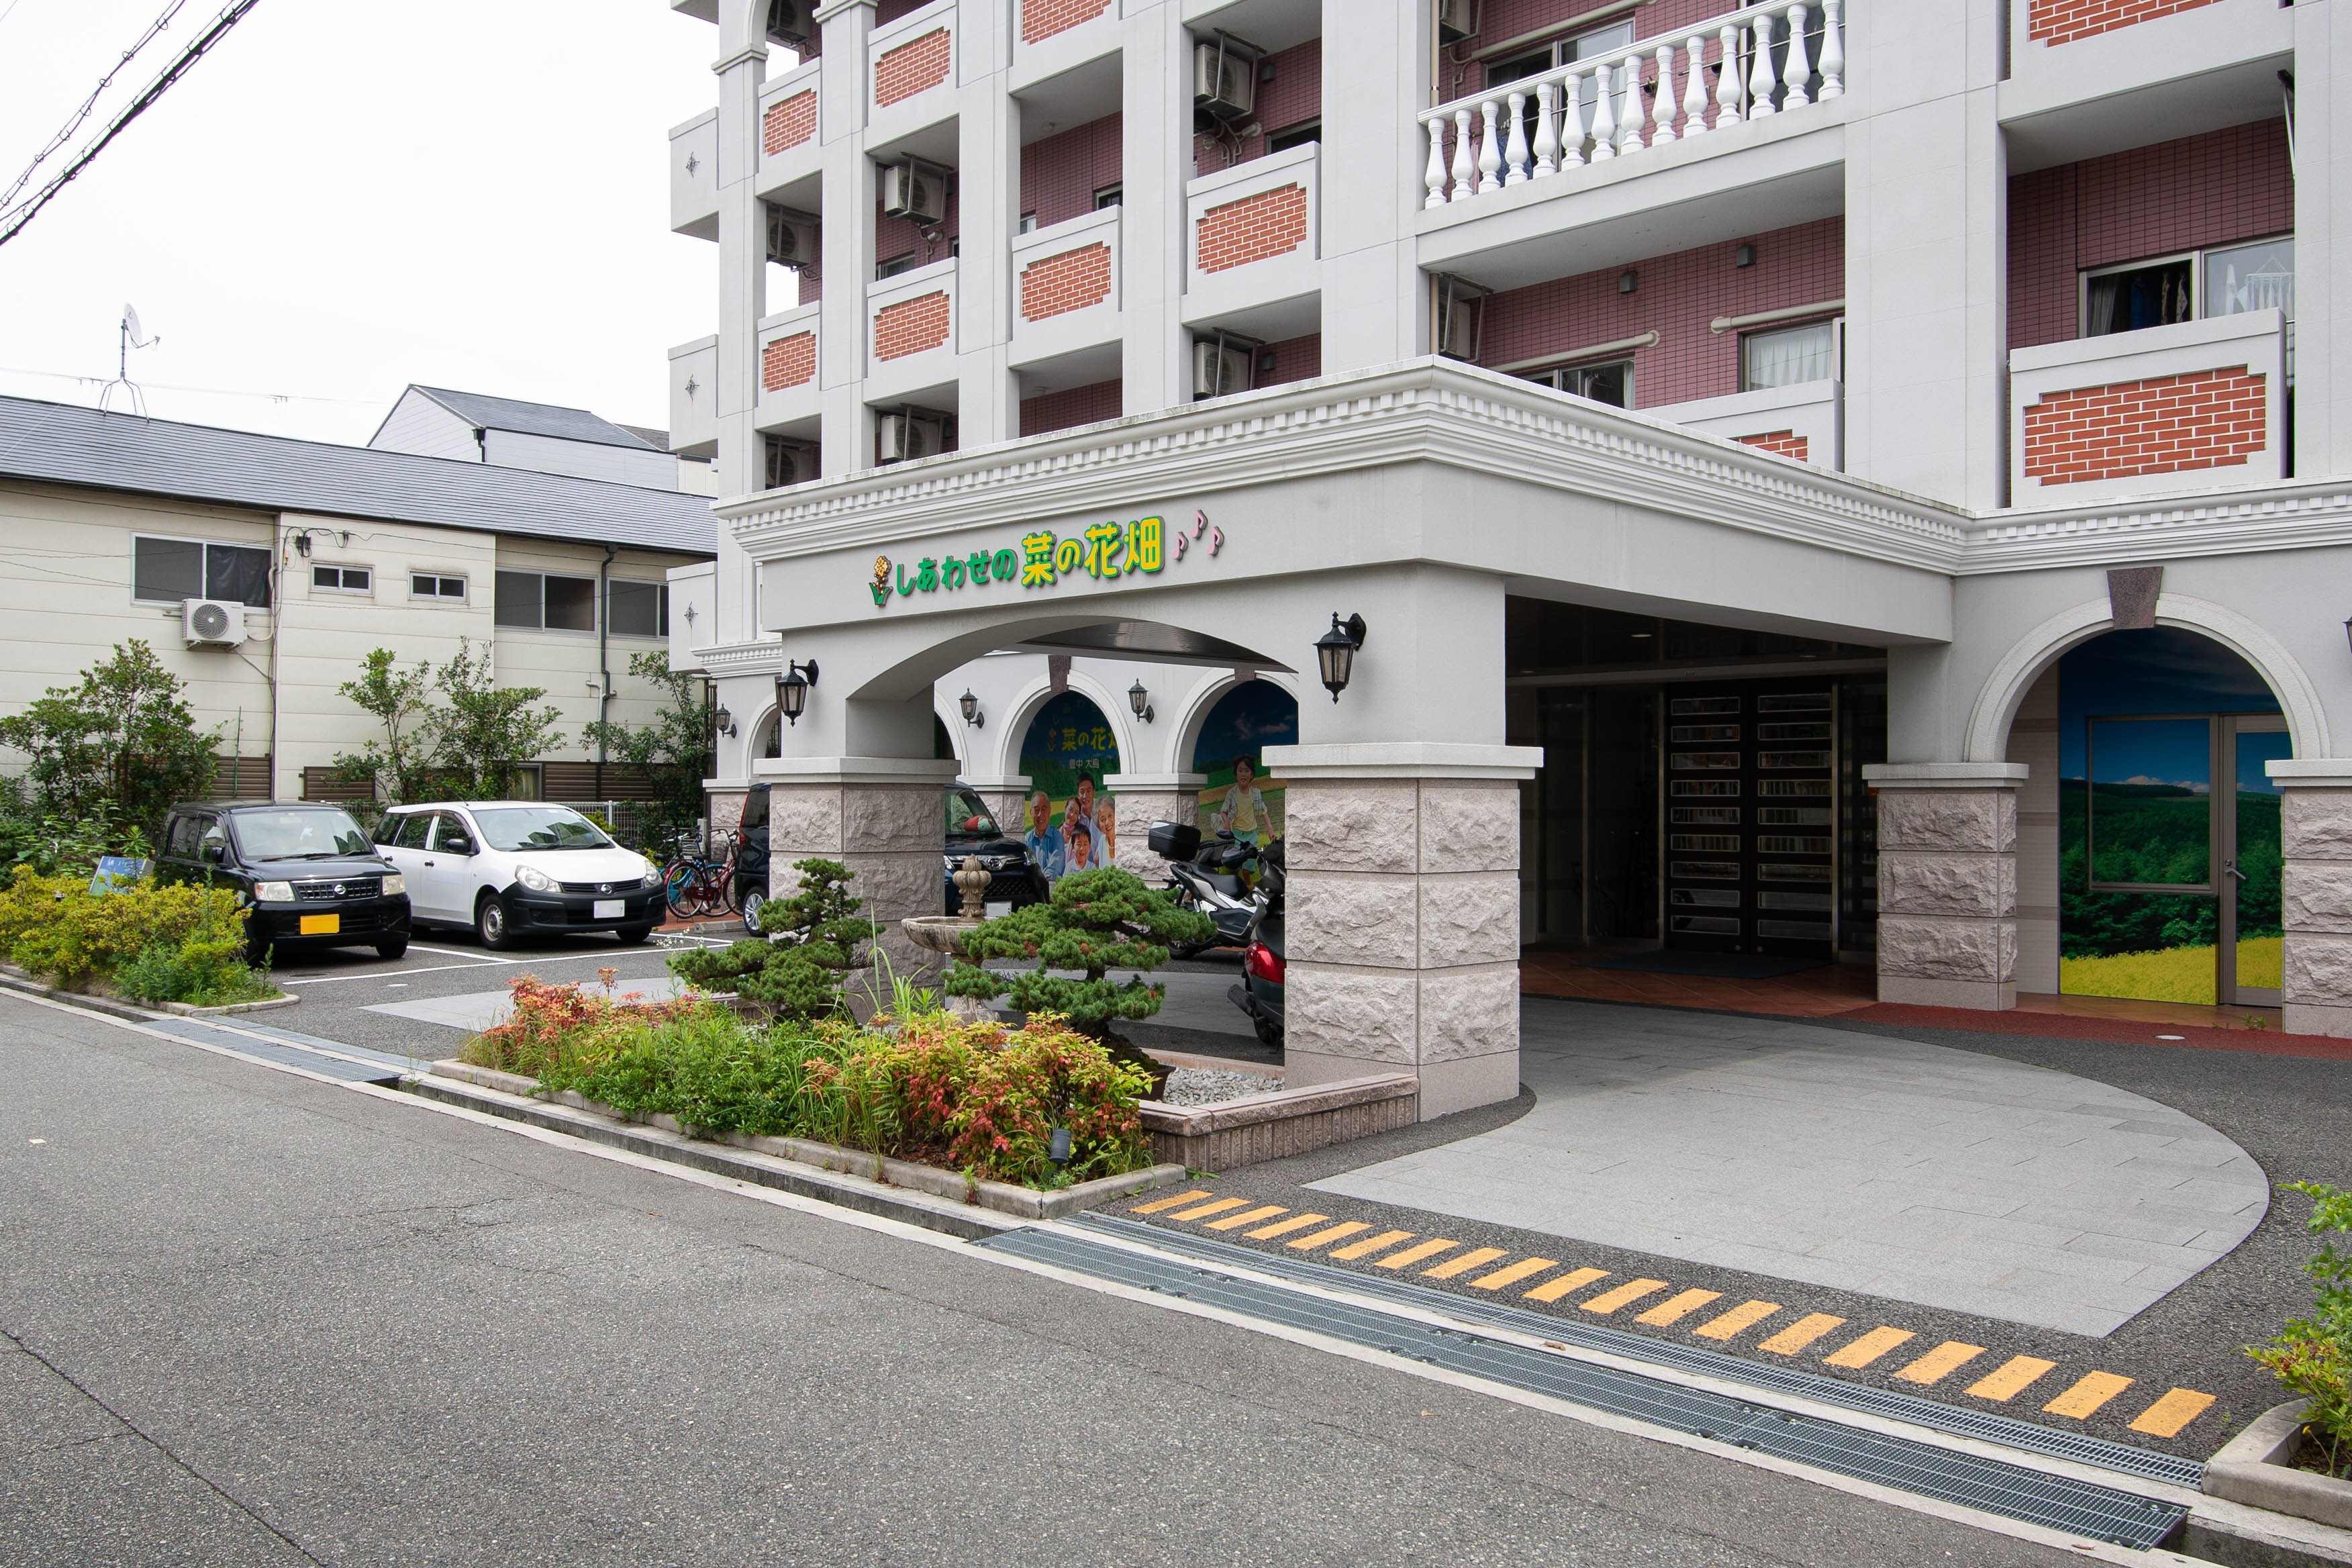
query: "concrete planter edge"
2254, 1468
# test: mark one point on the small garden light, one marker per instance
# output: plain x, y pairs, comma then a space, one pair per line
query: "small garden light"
1335, 652
972, 713
792, 689
1057, 1146
1138, 699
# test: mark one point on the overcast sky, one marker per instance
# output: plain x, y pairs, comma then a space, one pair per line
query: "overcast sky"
345, 198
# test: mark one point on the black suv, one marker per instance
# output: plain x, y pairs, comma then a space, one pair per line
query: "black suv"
308, 870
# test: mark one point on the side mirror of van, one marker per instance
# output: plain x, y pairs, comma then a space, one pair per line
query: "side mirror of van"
211, 851
457, 844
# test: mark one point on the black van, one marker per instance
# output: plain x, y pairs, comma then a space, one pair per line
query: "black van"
308, 868
969, 829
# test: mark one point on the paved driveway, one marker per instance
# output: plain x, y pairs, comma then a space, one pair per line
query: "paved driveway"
1860, 1162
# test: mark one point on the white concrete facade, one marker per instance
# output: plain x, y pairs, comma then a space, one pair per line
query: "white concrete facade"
1423, 493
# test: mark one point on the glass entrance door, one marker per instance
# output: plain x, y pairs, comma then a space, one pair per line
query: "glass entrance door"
2252, 862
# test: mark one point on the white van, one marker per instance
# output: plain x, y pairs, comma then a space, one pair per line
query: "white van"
509, 869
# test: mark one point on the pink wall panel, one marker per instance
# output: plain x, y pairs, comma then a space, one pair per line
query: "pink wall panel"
2215, 189
1675, 295
1075, 405
1295, 359
1060, 173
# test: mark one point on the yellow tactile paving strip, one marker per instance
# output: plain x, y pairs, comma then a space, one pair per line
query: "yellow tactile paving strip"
1693, 1310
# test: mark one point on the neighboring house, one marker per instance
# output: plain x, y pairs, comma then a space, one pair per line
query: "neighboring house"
696, 476
434, 422
316, 553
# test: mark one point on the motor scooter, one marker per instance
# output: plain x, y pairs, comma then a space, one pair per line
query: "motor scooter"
1207, 879
1259, 994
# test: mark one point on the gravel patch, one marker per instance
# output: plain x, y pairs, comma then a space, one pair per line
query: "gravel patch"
1209, 1086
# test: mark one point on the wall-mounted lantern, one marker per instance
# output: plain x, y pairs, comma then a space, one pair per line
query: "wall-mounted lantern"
1335, 652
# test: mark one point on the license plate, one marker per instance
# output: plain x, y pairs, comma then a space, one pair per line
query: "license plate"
321, 925
612, 909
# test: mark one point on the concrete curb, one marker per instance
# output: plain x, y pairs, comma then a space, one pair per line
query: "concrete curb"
190, 1010
898, 1189
14, 979
2255, 1467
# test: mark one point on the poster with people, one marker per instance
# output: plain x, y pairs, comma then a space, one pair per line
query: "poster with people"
1068, 823
1239, 797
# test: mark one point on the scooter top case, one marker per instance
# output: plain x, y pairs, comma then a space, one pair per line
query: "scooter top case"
1174, 840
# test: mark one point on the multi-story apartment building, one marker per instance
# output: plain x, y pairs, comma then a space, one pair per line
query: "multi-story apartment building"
1819, 478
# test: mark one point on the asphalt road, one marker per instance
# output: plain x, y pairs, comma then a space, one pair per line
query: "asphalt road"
254, 1319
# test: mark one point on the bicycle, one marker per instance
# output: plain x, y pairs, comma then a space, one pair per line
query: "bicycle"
696, 885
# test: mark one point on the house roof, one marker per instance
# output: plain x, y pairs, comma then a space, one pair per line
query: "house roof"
533, 418
61, 443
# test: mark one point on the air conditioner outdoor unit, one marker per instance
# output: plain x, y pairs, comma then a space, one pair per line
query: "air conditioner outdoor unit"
913, 190
789, 23
790, 462
903, 437
1220, 368
1456, 20
793, 238
1224, 79
212, 623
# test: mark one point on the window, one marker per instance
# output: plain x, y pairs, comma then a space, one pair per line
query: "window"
1610, 382
1567, 51
1108, 196
634, 609
1028, 222
2145, 294
166, 571
343, 579
537, 601
894, 266
2257, 277
1290, 136
1787, 356
436, 585
406, 832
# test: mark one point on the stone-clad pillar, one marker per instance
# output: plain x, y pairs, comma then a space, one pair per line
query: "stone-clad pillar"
2315, 895
1006, 795
880, 817
1948, 882
1142, 799
1404, 915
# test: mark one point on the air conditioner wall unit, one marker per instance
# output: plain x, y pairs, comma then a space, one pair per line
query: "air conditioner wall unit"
1456, 20
212, 623
790, 462
1224, 79
902, 437
913, 190
789, 23
793, 238
1219, 368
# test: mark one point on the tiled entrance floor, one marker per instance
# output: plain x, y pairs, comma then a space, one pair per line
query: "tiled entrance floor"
1852, 1161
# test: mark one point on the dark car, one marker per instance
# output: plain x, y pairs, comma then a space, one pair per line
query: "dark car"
308, 870
970, 829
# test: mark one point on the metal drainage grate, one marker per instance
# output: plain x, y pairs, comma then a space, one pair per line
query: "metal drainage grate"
1992, 1486
283, 1055
1982, 1425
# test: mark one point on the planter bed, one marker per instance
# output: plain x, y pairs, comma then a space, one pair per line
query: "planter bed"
871, 1171
16, 979
1281, 1123
2258, 1468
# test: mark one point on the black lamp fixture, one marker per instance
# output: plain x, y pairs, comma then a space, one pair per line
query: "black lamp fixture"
1138, 699
723, 721
1335, 652
792, 689
972, 713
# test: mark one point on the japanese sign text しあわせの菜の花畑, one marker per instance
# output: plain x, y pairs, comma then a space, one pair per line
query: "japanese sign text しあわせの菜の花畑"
1103, 552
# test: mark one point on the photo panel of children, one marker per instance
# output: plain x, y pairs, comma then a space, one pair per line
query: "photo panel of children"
1068, 823
1239, 797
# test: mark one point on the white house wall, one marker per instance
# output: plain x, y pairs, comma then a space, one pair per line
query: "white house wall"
644, 468
417, 424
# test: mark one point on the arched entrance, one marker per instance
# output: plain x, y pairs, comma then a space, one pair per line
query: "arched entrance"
2149, 842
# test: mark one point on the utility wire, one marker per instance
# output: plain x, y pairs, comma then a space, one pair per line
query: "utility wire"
11, 11
89, 105
206, 391
30, 208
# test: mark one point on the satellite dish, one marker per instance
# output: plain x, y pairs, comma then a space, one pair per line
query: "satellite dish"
131, 322
132, 337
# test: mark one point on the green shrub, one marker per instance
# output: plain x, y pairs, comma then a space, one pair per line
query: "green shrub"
797, 970
2312, 1356
968, 1095
202, 973
56, 928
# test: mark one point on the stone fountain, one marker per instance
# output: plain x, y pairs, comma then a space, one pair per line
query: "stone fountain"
944, 934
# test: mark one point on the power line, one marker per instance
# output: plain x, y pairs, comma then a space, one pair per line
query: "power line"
12, 7
206, 391
31, 207
89, 105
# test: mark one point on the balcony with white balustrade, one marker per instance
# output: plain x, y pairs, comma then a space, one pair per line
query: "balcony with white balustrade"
1658, 147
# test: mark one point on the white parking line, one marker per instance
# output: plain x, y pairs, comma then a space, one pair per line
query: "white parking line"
381, 975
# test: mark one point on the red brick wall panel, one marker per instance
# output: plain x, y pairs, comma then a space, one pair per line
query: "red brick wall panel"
1677, 295
916, 66
1786, 442
790, 121
2223, 187
2063, 21
2163, 425
1254, 227
1060, 173
911, 326
1074, 405
1072, 280
1043, 18
788, 361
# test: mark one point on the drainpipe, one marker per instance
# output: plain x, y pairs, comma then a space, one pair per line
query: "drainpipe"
604, 661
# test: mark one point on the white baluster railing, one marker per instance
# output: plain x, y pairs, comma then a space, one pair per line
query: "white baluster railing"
1778, 58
